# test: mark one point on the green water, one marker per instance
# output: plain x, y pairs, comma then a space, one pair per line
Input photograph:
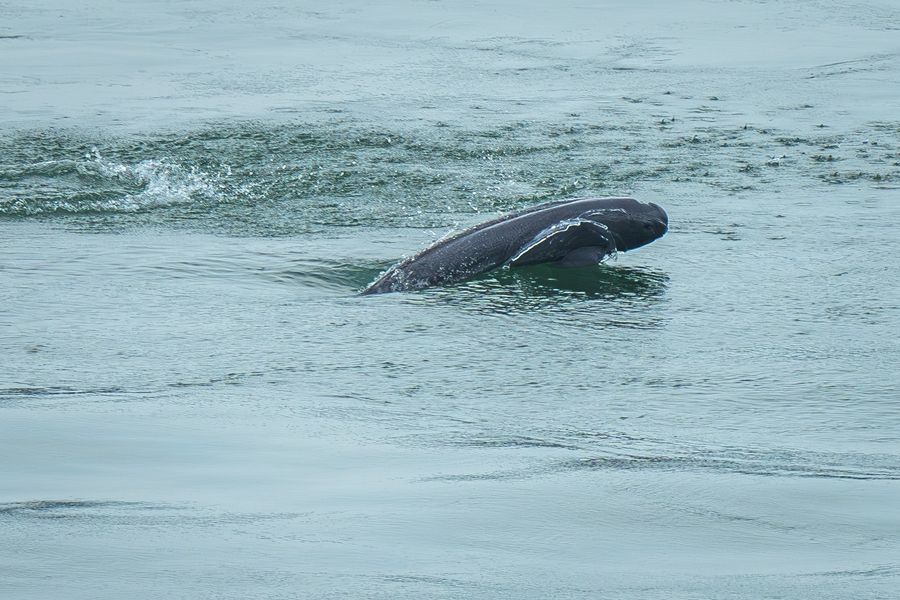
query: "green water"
195, 402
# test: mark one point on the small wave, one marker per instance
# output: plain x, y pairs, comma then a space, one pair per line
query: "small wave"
335, 276
58, 509
94, 184
684, 464
774, 468
888, 570
141, 514
18, 393
619, 451
322, 274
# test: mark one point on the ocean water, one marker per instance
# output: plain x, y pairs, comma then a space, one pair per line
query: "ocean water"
195, 402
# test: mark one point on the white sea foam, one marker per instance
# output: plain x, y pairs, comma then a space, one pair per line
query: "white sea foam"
113, 186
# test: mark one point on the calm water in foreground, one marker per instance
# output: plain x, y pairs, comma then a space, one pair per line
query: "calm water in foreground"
194, 402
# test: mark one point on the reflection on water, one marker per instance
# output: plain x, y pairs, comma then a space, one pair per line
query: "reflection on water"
625, 292
604, 281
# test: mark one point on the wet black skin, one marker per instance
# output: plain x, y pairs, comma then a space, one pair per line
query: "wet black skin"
606, 225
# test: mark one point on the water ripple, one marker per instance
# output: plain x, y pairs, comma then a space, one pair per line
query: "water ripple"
280, 179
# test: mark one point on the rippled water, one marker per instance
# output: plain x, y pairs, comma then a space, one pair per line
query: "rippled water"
195, 402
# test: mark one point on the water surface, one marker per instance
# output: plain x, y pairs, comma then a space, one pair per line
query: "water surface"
194, 402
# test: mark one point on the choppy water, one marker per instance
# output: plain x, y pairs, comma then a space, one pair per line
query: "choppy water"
195, 403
